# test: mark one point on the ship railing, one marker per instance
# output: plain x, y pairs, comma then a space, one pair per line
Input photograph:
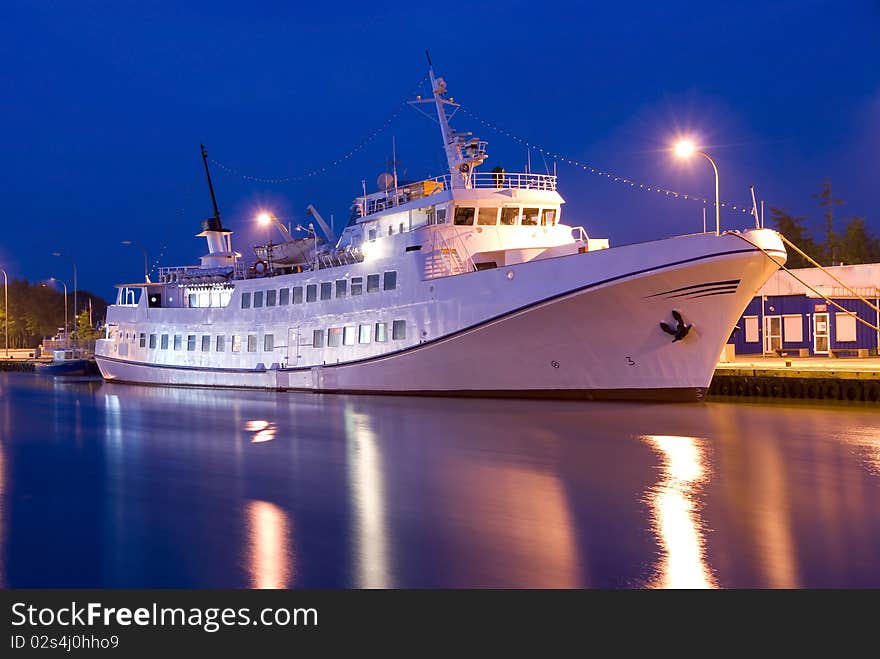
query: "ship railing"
579, 235
403, 194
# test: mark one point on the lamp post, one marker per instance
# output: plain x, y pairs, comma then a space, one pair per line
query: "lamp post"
131, 243
685, 149
266, 220
75, 332
66, 333
6, 309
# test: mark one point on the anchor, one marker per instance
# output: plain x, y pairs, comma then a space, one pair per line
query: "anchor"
677, 332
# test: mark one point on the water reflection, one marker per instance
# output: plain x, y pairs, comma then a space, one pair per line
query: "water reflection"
270, 558
264, 431
365, 474
675, 513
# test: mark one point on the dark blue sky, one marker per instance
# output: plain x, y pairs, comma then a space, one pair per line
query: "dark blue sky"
104, 105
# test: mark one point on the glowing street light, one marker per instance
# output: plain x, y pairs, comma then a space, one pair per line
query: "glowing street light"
66, 331
264, 219
6, 309
65, 256
685, 149
131, 243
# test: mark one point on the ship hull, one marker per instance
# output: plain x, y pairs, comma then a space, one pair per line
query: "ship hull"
595, 334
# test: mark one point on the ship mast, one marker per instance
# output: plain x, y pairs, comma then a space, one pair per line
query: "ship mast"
464, 153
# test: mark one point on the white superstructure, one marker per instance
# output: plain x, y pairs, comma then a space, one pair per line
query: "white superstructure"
468, 283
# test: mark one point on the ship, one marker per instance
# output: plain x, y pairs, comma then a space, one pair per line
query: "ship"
467, 284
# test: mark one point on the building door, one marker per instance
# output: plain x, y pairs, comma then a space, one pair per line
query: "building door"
820, 333
292, 347
772, 334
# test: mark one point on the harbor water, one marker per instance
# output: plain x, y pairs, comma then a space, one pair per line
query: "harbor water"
108, 485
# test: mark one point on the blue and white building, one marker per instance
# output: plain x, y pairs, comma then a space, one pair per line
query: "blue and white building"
787, 316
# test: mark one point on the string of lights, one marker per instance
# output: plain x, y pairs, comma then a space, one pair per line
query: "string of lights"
595, 170
398, 109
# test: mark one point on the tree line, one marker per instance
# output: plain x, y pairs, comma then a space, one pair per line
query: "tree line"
854, 244
36, 310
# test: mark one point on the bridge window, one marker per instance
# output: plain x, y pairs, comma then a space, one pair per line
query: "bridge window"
509, 215
326, 290
221, 344
365, 333
464, 216
245, 300
152, 341
530, 216
372, 283
311, 293
236, 343
548, 218
252, 343
381, 332
318, 339
390, 281
488, 216
357, 285
258, 299
334, 337
297, 294
441, 216
191, 342
271, 296
349, 335
268, 343
283, 297
142, 340
164, 343
206, 342
398, 330
178, 342
341, 288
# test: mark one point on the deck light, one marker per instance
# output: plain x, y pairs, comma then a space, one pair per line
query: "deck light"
264, 219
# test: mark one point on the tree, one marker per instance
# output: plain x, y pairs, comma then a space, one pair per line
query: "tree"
827, 202
793, 228
858, 244
84, 328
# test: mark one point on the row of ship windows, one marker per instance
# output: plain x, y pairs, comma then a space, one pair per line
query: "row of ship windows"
333, 337
508, 215
343, 288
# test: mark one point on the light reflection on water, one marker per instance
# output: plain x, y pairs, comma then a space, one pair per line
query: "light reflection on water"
122, 486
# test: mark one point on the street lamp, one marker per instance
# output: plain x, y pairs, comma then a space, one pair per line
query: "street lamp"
685, 149
131, 243
75, 332
6, 309
66, 333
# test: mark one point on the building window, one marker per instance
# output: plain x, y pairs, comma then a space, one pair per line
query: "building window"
793, 328
372, 283
326, 290
509, 215
751, 329
488, 216
206, 343
152, 341
252, 343
334, 337
142, 340
349, 336
245, 300
221, 344
381, 332
464, 216
390, 281
268, 343
341, 288
530, 216
283, 297
365, 333
271, 297
398, 330
318, 339
236, 343
311, 293
163, 344
357, 285
258, 299
178, 341
191, 342
844, 328
297, 294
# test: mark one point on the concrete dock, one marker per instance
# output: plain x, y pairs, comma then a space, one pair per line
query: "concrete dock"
811, 378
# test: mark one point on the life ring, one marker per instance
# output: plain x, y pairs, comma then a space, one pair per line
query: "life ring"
464, 168
261, 266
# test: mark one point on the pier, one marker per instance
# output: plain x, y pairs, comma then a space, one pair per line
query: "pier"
806, 378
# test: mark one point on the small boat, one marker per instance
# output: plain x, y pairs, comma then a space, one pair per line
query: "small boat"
69, 361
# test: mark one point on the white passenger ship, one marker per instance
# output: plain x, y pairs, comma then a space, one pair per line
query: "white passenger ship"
469, 284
